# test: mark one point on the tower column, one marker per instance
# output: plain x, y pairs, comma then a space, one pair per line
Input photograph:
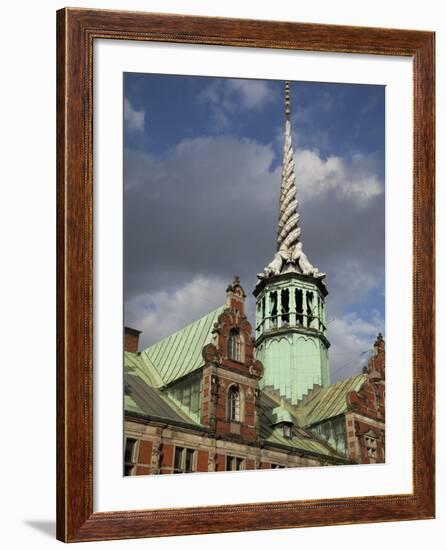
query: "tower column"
304, 308
267, 323
324, 321
316, 311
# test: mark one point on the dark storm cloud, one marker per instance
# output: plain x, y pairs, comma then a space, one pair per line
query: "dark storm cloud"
210, 208
202, 207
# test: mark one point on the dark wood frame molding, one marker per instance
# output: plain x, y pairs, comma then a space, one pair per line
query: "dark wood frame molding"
76, 31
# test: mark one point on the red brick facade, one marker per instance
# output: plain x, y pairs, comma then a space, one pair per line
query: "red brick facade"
166, 459
202, 461
227, 437
230, 368
366, 416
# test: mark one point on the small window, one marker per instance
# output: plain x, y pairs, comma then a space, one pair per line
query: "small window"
184, 460
234, 404
287, 431
371, 446
235, 346
277, 466
129, 456
234, 463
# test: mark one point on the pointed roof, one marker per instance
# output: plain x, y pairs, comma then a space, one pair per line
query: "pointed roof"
288, 230
290, 257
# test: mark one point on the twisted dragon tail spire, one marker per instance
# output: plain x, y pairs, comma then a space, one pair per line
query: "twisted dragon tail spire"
289, 256
288, 230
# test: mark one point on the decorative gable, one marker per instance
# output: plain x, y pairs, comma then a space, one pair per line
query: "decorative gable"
231, 374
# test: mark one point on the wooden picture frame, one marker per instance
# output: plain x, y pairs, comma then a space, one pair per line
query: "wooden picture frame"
76, 31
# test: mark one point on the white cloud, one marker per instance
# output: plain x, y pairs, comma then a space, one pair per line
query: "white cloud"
228, 96
353, 178
134, 119
253, 94
352, 339
208, 210
162, 313
353, 279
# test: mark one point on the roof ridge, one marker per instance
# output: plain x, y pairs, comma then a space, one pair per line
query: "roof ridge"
322, 407
222, 307
179, 353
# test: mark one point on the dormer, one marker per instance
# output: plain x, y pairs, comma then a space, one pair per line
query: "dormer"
283, 421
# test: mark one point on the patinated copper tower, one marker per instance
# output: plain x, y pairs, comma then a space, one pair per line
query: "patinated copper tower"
290, 299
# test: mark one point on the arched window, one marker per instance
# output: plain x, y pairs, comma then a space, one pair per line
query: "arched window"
235, 345
234, 404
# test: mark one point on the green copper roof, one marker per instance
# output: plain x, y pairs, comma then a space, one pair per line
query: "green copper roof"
281, 415
300, 440
139, 397
300, 443
142, 398
178, 354
133, 363
328, 402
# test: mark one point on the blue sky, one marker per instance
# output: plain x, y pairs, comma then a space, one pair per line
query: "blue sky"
201, 178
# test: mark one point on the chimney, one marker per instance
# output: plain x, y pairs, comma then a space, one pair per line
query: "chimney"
131, 339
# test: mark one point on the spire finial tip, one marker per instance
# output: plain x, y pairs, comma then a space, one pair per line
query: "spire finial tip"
287, 100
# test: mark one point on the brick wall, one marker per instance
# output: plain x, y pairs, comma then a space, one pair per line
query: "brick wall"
166, 459
202, 461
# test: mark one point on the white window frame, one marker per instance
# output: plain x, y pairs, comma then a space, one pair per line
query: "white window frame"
182, 469
235, 346
233, 461
234, 410
134, 454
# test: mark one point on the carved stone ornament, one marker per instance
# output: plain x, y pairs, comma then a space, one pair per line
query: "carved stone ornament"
256, 369
211, 354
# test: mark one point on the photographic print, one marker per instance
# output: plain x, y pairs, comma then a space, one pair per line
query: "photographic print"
240, 243
254, 274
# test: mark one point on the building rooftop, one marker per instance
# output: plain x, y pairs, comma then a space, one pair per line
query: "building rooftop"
149, 378
301, 439
145, 400
328, 402
176, 355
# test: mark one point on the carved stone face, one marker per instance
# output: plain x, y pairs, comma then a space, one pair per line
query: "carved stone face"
210, 354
